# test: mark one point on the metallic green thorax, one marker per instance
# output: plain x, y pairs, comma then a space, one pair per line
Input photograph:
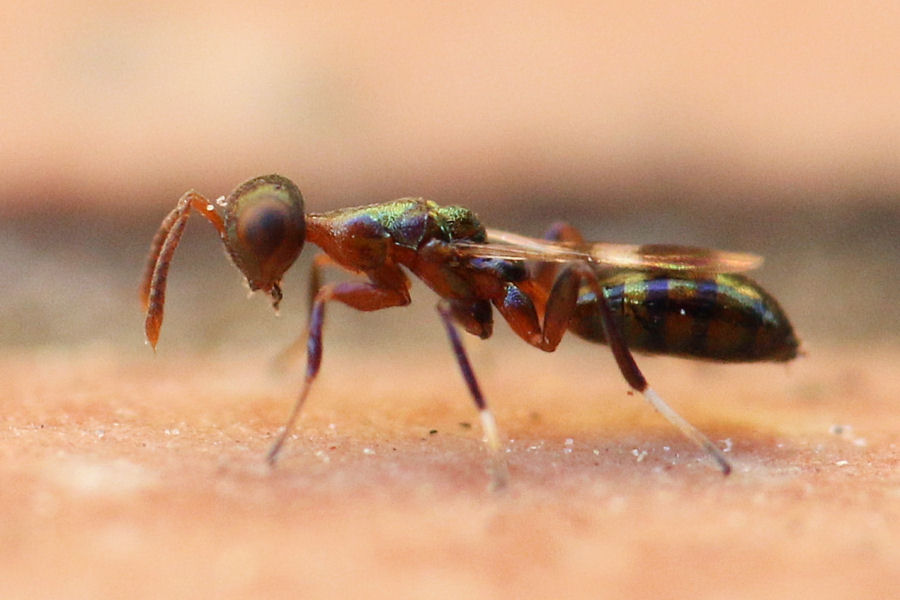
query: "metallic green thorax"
362, 238
408, 221
418, 234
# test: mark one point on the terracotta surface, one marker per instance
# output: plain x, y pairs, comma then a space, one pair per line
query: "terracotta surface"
142, 477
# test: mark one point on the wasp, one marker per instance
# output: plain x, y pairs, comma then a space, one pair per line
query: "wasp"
662, 299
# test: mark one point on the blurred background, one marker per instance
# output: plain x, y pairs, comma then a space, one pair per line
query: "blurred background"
772, 128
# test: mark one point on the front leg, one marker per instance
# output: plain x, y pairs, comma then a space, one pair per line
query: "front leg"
314, 279
361, 295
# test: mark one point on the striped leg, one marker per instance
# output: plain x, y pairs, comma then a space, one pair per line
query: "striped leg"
499, 471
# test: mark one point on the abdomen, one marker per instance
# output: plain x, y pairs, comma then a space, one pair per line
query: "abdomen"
716, 317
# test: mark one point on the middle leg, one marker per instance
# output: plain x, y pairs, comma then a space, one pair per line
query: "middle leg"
450, 311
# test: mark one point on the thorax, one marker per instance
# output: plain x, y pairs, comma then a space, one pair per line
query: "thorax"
362, 238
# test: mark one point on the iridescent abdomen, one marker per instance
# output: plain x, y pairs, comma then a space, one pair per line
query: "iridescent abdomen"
714, 317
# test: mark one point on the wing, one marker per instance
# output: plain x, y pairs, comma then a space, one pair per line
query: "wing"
511, 246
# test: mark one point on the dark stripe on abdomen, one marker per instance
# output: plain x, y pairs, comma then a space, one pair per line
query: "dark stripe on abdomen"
704, 310
652, 312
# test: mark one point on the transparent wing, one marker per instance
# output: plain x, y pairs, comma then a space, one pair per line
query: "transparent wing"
511, 246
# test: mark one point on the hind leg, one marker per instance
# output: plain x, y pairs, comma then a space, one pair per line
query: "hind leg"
559, 310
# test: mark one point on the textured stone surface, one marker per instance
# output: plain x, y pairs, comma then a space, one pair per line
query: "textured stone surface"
141, 477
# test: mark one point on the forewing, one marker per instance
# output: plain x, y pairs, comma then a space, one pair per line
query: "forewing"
667, 257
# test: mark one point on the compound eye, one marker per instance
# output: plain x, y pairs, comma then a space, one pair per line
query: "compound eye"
262, 228
265, 229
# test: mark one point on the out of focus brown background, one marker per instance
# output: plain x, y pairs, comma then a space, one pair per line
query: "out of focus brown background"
771, 128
